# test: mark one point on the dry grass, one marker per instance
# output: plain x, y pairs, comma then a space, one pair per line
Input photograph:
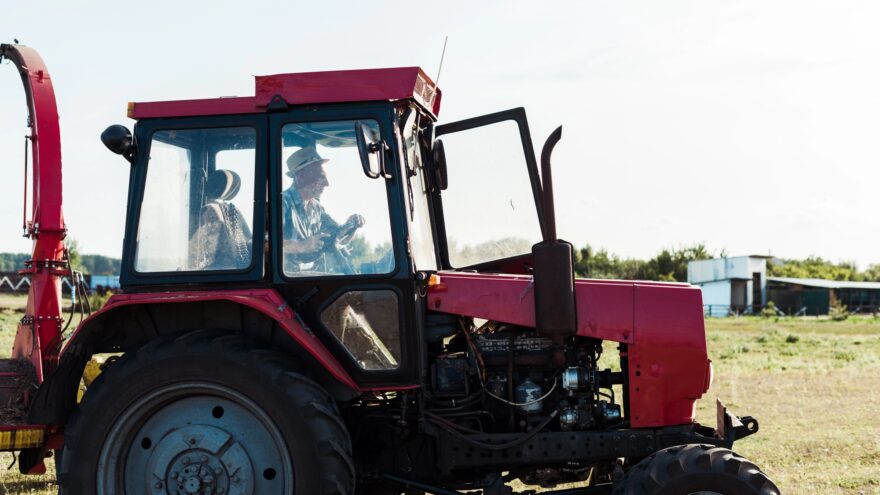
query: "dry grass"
814, 385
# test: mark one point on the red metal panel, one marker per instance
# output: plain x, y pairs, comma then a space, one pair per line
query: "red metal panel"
349, 85
194, 108
668, 365
308, 88
267, 301
605, 308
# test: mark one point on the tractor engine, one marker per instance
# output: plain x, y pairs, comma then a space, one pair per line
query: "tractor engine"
499, 378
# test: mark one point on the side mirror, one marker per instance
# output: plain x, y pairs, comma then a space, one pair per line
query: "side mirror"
117, 138
438, 165
371, 150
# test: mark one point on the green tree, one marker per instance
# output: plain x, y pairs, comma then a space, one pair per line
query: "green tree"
668, 265
816, 267
872, 274
73, 254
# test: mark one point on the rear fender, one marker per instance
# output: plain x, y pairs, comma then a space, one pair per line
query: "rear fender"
128, 321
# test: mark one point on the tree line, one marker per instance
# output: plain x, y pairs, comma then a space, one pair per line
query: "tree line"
670, 265
667, 265
94, 264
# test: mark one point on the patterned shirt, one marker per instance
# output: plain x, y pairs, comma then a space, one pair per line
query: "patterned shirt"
302, 220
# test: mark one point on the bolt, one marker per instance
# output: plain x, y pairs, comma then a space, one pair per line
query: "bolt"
204, 458
174, 475
158, 485
186, 460
192, 441
218, 471
235, 479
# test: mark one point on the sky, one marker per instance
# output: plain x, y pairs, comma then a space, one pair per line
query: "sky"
750, 126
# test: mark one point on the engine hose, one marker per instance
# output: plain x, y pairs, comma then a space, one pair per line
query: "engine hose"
491, 446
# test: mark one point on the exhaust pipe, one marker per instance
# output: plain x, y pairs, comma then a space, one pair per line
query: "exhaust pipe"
553, 277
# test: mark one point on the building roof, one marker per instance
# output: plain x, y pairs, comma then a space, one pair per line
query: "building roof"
305, 88
826, 284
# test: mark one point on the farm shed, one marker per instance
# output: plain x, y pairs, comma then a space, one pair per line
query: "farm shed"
730, 285
814, 296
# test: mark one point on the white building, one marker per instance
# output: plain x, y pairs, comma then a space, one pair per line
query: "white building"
731, 285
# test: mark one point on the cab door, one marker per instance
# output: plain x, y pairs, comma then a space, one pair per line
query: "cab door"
338, 240
491, 209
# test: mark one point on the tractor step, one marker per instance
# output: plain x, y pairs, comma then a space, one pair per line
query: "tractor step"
18, 382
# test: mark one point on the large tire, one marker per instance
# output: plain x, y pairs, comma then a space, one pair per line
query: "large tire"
695, 469
206, 411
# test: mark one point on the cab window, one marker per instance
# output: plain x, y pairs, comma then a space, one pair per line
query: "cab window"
334, 219
197, 207
417, 192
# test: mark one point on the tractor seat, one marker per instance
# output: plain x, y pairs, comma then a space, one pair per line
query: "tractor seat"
224, 238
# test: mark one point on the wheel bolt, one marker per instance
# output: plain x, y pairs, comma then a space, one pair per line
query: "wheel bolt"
174, 475
158, 484
186, 460
235, 479
204, 458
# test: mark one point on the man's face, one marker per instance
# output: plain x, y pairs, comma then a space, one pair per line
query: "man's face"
311, 181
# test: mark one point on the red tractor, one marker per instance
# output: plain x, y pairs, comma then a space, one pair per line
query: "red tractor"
304, 311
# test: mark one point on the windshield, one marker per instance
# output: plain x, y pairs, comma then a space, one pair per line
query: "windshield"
488, 208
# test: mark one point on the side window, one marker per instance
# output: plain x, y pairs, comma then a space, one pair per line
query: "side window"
197, 209
367, 324
335, 219
419, 216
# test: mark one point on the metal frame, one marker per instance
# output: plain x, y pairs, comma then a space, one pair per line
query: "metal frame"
517, 115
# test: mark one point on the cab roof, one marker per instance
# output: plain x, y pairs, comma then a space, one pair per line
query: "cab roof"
304, 88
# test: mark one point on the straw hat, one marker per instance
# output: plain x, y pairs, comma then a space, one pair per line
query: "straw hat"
302, 159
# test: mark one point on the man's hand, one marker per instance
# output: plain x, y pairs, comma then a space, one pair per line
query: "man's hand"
309, 245
350, 226
314, 243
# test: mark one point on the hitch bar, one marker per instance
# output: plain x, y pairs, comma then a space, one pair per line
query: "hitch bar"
730, 427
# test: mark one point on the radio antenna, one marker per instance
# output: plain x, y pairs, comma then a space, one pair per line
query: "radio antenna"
440, 68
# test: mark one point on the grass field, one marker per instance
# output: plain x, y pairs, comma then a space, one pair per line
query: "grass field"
814, 386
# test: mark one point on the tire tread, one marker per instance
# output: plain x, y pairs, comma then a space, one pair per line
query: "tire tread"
655, 473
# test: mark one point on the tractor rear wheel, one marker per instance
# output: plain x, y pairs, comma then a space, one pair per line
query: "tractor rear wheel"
206, 413
695, 470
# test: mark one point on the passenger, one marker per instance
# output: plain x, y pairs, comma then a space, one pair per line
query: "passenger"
224, 238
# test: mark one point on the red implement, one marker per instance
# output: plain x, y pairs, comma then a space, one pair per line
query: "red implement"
38, 338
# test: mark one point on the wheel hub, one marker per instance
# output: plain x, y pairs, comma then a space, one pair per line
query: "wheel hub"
200, 460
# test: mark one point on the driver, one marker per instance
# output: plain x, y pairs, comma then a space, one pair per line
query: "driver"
310, 234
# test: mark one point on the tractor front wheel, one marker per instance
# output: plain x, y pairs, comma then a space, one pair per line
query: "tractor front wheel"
695, 470
206, 413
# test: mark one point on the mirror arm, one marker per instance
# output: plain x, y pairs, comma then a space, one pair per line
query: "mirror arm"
380, 148
130, 153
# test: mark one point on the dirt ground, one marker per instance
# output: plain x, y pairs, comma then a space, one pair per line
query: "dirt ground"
814, 386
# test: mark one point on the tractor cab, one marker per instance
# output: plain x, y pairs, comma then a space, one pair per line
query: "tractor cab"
336, 189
